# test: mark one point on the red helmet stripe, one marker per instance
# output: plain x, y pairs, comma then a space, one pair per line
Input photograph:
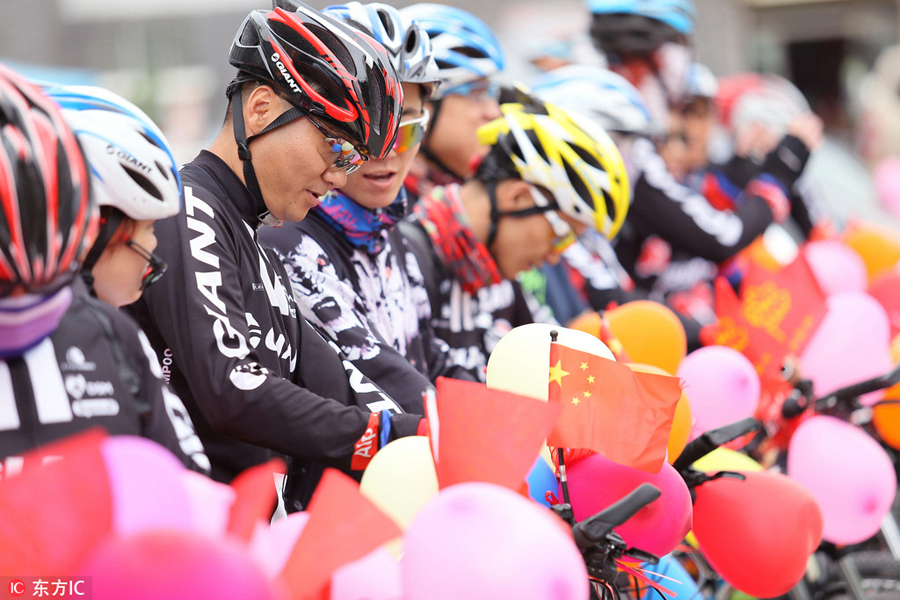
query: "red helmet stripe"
348, 112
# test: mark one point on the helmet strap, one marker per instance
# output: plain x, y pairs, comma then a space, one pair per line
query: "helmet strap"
243, 145
107, 230
497, 214
425, 151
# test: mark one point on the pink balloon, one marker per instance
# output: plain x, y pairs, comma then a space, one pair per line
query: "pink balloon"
847, 472
851, 344
480, 541
176, 565
273, 546
837, 266
721, 385
146, 482
887, 184
210, 503
596, 482
375, 576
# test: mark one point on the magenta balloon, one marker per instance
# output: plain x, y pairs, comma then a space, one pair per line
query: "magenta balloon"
176, 565
836, 266
596, 482
721, 385
847, 472
376, 576
851, 344
480, 541
147, 485
887, 184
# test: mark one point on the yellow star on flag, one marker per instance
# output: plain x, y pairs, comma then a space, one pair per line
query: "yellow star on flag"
575, 400
590, 379
584, 366
586, 394
557, 373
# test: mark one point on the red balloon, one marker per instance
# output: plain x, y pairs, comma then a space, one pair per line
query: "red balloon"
886, 289
596, 482
758, 533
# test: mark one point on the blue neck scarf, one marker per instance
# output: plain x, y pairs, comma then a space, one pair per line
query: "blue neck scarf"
364, 228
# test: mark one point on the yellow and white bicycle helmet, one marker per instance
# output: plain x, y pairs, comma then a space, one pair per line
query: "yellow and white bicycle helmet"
569, 156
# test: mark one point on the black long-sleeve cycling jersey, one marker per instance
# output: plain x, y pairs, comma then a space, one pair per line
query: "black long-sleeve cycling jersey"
372, 304
95, 369
256, 377
673, 239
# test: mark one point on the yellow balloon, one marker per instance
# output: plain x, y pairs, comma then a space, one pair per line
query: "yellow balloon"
520, 362
876, 243
650, 332
401, 478
726, 459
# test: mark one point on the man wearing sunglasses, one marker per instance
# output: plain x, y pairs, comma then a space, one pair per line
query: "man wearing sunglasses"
258, 379
347, 263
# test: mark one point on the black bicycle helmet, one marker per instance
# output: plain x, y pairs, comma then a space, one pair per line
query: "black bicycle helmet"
47, 212
325, 68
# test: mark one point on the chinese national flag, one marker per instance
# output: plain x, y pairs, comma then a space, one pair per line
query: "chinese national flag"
606, 407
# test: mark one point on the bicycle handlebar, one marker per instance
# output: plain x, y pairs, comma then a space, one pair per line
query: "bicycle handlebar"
594, 529
712, 439
795, 403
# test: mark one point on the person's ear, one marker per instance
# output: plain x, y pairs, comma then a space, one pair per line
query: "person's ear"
514, 194
262, 107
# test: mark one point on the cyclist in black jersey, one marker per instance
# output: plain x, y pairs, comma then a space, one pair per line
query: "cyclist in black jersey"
256, 377
547, 175
68, 362
350, 269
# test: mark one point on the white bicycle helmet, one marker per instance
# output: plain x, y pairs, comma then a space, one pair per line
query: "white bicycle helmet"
465, 48
131, 165
601, 94
701, 82
407, 45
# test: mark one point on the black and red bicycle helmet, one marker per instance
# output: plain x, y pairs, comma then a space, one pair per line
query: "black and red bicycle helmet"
325, 68
47, 217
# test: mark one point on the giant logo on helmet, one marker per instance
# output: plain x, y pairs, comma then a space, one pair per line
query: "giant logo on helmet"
276, 58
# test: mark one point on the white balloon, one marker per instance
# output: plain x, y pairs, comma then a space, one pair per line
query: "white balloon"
520, 363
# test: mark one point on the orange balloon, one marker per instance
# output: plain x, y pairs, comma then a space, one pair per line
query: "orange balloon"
588, 322
650, 332
886, 418
877, 244
681, 424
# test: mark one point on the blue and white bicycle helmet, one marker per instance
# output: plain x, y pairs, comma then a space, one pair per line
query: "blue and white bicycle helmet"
639, 26
607, 97
407, 45
131, 165
465, 48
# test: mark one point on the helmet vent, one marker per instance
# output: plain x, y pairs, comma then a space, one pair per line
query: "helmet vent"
387, 23
162, 169
142, 181
335, 45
